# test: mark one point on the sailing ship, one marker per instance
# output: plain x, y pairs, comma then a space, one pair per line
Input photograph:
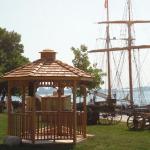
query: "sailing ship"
107, 110
129, 48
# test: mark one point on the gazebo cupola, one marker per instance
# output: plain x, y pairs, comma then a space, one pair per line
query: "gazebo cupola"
57, 117
48, 54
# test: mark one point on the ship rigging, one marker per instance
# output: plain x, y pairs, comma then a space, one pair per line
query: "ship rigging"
129, 47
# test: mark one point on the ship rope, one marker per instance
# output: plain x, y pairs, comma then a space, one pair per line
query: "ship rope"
118, 65
117, 82
138, 76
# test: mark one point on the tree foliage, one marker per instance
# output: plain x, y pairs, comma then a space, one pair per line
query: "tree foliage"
11, 57
81, 61
10, 51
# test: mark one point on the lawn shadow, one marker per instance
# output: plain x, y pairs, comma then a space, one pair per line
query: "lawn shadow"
39, 147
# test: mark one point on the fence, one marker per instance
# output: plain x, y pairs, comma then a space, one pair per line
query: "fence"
49, 125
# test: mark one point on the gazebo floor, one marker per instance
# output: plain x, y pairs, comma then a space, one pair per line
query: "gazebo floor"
44, 141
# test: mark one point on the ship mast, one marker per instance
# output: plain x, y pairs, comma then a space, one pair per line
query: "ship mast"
108, 53
129, 53
129, 47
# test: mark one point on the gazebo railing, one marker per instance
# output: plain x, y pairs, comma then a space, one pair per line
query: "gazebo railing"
21, 125
49, 125
54, 125
80, 123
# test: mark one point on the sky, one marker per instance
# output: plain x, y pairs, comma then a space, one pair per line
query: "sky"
54, 24
61, 24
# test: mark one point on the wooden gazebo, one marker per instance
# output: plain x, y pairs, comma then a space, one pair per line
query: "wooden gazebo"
47, 124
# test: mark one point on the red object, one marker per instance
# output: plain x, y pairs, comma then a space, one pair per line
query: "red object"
106, 4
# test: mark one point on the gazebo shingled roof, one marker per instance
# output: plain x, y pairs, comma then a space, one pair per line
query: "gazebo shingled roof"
47, 67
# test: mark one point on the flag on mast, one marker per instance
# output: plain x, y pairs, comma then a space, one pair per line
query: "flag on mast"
106, 4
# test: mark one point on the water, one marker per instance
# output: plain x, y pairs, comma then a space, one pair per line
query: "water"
144, 99
141, 96
139, 99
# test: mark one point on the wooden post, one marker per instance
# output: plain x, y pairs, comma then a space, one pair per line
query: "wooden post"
23, 97
9, 107
85, 110
59, 98
59, 111
23, 108
74, 112
33, 114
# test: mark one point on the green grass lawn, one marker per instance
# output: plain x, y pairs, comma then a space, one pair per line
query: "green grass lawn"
116, 137
3, 126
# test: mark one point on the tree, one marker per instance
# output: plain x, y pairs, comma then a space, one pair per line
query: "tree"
10, 51
81, 61
10, 54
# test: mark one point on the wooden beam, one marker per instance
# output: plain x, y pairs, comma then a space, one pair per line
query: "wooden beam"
42, 77
120, 48
124, 22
